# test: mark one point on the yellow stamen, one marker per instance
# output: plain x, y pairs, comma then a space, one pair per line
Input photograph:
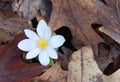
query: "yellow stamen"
42, 43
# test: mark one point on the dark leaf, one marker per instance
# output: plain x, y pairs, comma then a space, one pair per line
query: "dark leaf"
12, 68
110, 52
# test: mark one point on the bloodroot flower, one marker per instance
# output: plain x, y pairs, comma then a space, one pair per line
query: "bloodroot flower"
41, 44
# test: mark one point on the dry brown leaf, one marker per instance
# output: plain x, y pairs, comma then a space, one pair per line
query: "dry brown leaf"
81, 15
29, 8
10, 27
75, 15
113, 34
7, 0
83, 68
25, 8
5, 7
78, 15
109, 52
53, 74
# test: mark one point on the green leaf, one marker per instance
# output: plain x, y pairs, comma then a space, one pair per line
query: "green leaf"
51, 62
56, 49
53, 33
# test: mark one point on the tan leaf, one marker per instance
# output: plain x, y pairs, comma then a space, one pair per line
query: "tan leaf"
83, 68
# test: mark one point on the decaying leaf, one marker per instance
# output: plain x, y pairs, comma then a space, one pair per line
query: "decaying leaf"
5, 7
83, 14
10, 27
78, 19
54, 74
109, 50
12, 68
113, 34
80, 16
29, 8
83, 68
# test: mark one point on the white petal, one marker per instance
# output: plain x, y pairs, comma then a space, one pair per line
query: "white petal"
33, 53
41, 27
56, 41
43, 30
31, 34
52, 53
44, 58
26, 45
48, 33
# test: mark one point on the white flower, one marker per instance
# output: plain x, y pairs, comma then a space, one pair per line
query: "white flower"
42, 44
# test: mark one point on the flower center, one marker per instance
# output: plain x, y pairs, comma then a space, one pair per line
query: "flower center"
42, 43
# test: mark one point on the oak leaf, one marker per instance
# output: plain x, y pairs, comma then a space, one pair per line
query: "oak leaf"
82, 16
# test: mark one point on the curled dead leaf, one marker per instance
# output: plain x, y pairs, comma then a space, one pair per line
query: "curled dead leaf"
113, 34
